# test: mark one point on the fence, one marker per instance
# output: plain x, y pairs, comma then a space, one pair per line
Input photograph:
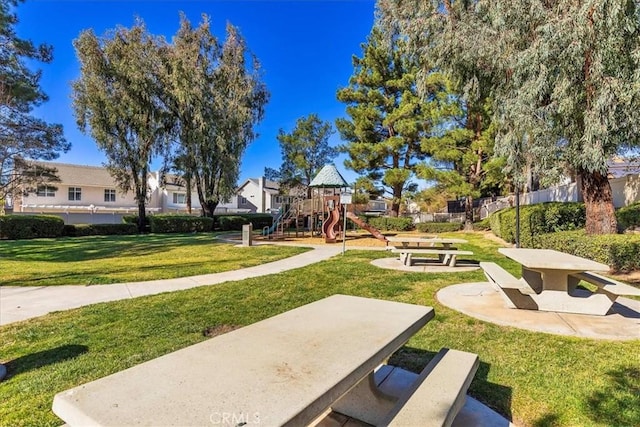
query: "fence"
626, 190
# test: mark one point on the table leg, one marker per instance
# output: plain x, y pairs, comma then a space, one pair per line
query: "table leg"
365, 402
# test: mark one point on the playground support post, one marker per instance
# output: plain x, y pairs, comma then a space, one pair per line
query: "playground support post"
344, 229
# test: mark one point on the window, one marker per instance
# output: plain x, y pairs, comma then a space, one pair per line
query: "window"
179, 198
75, 193
243, 200
109, 195
45, 191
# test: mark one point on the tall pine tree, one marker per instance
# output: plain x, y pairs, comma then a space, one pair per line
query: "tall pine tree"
388, 118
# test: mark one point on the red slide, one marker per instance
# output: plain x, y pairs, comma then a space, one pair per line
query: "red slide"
329, 225
360, 223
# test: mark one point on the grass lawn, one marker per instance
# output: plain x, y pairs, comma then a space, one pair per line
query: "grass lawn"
98, 260
536, 379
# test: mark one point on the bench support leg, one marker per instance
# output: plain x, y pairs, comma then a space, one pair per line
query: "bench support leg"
365, 402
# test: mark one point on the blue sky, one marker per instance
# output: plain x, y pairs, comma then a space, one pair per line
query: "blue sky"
305, 48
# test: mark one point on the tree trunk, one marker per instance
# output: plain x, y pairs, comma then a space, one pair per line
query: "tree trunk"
142, 219
598, 202
468, 213
208, 208
188, 195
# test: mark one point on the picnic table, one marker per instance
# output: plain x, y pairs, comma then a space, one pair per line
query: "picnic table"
286, 370
442, 247
549, 281
406, 242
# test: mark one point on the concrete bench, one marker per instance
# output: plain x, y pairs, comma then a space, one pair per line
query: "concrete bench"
438, 394
610, 287
432, 398
516, 292
446, 256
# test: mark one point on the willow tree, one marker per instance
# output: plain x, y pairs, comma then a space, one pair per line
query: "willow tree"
216, 94
563, 75
388, 118
118, 99
305, 150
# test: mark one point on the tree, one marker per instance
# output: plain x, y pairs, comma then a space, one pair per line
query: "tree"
304, 152
119, 98
217, 99
562, 74
463, 164
23, 138
388, 118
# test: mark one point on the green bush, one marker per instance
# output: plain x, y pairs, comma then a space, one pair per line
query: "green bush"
16, 227
628, 217
618, 251
231, 223
179, 223
483, 225
438, 227
384, 223
536, 220
77, 230
259, 221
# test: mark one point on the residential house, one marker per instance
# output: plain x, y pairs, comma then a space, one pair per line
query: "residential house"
261, 195
88, 194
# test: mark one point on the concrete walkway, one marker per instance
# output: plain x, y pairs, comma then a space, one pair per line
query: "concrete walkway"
19, 303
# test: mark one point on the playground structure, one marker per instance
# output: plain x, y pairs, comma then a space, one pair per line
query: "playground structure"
322, 213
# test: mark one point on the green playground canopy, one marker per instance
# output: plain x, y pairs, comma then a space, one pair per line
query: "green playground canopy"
329, 177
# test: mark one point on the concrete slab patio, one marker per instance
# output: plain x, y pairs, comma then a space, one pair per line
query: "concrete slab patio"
482, 301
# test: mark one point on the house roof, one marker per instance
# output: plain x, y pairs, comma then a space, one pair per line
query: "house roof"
96, 176
329, 177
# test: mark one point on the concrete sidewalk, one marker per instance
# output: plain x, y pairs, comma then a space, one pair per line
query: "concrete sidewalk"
19, 303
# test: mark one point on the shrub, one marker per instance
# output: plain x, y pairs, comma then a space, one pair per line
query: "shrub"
16, 227
259, 221
483, 225
628, 217
536, 220
384, 223
438, 227
179, 224
618, 251
229, 222
77, 230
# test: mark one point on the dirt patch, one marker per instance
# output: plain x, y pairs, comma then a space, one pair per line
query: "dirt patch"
213, 331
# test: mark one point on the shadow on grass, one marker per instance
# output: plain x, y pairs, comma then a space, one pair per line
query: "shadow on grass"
495, 396
618, 402
43, 358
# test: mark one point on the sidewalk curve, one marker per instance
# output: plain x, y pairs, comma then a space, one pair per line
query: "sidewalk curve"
19, 303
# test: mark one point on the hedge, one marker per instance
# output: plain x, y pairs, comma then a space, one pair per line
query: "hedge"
618, 251
179, 223
628, 217
536, 220
384, 223
77, 230
16, 227
227, 222
438, 227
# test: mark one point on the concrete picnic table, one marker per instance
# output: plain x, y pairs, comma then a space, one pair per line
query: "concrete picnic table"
549, 273
285, 370
405, 242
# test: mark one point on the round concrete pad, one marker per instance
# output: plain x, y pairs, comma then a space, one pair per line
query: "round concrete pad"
425, 265
481, 301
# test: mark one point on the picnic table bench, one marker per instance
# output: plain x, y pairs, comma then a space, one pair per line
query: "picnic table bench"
289, 369
446, 256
